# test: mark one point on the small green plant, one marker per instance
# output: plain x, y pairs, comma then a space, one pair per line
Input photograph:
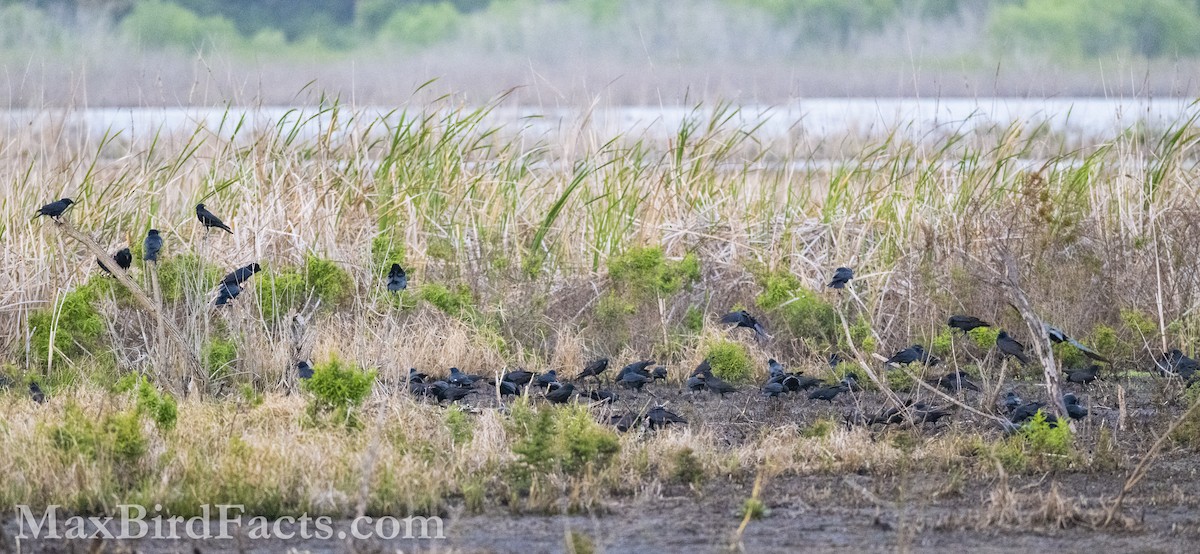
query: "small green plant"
645, 271
386, 250
218, 357
803, 312
1040, 446
184, 273
455, 302
693, 319
74, 325
250, 396
160, 407
459, 425
1138, 322
860, 333
337, 391
754, 509
730, 361
943, 342
819, 429
687, 467
283, 291
565, 439
116, 437
984, 337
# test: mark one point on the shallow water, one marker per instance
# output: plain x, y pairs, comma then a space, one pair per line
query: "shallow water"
814, 117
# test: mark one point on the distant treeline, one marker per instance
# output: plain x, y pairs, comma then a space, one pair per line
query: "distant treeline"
1076, 29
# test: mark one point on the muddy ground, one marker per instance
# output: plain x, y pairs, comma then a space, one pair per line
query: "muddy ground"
883, 509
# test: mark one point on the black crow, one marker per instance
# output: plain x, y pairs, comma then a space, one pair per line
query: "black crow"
1074, 409
420, 388
1083, 376
461, 379
835, 360
1025, 412
509, 388
603, 396
955, 382
659, 416
397, 280
519, 377
227, 292
773, 389
209, 220
798, 382
912, 354
241, 274
304, 369
623, 422
1056, 335
546, 379
695, 383
841, 276
636, 367
561, 394
659, 373
415, 376
851, 382
54, 209
152, 246
35, 392
633, 380
716, 384
744, 319
1012, 401
124, 259
1175, 362
966, 323
701, 368
449, 391
922, 413
1011, 347
774, 368
828, 393
594, 369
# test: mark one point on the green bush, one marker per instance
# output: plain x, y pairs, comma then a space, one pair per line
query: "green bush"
116, 437
178, 275
693, 319
687, 468
386, 250
157, 24
730, 361
422, 24
80, 328
558, 438
159, 407
284, 291
645, 271
984, 337
459, 424
1039, 446
803, 312
218, 357
337, 392
457, 302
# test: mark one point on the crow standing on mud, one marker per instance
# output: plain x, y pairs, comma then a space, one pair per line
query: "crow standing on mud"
594, 369
914, 353
742, 318
966, 323
304, 369
54, 209
152, 246
828, 393
209, 220
397, 280
1074, 409
35, 393
841, 276
561, 394
716, 384
955, 382
123, 257
1083, 376
1176, 363
1011, 347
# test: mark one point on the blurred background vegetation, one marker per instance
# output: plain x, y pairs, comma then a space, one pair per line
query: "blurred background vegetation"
552, 35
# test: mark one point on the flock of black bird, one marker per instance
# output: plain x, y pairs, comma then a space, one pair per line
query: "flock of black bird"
638, 375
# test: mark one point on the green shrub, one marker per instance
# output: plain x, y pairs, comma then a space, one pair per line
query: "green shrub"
820, 428
422, 24
645, 271
558, 438
730, 361
942, 343
1138, 322
612, 308
218, 357
80, 327
1188, 432
386, 250
803, 312
860, 333
1039, 446
116, 437
1069, 356
282, 292
457, 302
984, 337
156, 24
693, 319
687, 468
337, 392
158, 406
179, 275
459, 424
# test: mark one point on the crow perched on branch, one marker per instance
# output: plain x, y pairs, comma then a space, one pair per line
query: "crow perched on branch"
966, 323
841, 276
54, 209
